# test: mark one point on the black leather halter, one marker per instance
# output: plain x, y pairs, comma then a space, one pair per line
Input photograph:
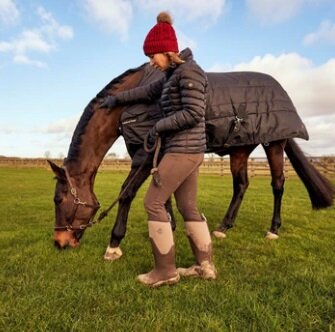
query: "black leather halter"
77, 202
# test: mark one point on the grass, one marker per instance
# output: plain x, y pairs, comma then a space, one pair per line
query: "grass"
284, 285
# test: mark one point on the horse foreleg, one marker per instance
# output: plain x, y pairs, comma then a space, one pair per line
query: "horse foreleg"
275, 154
239, 169
132, 184
113, 251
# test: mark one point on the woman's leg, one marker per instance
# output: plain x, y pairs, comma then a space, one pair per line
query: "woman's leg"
173, 170
196, 229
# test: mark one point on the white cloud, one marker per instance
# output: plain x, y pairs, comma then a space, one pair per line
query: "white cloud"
311, 89
325, 33
186, 10
57, 137
185, 41
9, 14
42, 39
116, 16
28, 40
52, 28
62, 126
23, 59
274, 11
321, 136
7, 129
113, 16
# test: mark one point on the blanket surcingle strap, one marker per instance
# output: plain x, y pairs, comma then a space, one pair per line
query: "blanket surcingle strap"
239, 118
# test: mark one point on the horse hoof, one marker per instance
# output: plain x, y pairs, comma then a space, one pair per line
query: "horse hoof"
219, 234
112, 254
271, 236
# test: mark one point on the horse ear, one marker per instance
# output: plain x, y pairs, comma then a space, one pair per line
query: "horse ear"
59, 172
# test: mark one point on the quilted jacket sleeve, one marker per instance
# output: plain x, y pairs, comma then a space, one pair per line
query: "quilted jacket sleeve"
192, 86
145, 93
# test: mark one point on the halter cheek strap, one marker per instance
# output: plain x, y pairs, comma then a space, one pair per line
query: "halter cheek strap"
77, 202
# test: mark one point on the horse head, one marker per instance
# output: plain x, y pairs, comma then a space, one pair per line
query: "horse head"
75, 206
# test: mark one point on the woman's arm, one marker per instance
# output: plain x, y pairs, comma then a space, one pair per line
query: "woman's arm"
145, 93
192, 91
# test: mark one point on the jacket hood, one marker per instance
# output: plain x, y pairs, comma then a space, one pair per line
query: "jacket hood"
186, 54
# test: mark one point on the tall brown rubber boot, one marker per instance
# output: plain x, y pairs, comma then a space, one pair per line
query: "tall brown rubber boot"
163, 249
201, 244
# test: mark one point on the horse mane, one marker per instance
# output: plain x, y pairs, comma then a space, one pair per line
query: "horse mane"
89, 111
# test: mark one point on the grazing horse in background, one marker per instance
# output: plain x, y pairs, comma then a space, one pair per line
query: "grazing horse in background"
97, 130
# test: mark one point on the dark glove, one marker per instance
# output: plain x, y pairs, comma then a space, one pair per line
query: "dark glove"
109, 102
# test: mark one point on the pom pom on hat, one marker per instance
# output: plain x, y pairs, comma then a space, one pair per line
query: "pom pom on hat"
162, 37
164, 17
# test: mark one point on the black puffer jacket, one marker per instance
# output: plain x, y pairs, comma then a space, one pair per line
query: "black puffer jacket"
181, 94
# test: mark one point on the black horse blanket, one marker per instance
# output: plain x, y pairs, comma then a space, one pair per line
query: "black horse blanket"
249, 108
242, 108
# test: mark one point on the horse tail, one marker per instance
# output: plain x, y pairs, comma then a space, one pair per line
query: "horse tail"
320, 190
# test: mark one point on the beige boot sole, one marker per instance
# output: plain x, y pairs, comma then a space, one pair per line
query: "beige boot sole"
192, 271
145, 280
208, 271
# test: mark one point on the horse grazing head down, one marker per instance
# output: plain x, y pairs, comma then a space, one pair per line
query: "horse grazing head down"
96, 131
75, 207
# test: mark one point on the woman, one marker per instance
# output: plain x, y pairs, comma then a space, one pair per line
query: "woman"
182, 129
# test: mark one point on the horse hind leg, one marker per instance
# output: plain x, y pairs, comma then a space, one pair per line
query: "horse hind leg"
239, 169
275, 154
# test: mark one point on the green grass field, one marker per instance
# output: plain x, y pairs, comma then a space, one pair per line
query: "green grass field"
285, 285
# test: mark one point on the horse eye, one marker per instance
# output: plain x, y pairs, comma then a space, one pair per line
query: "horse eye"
58, 200
64, 190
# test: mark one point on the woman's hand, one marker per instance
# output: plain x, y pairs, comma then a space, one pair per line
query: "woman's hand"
110, 102
152, 136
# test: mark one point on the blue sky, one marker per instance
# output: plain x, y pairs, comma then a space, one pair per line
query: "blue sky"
56, 55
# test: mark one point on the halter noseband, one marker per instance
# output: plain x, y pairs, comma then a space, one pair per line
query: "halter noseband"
77, 202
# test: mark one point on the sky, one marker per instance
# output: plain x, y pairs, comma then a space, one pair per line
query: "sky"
55, 55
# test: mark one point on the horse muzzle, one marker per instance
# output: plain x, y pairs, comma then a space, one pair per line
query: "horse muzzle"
64, 239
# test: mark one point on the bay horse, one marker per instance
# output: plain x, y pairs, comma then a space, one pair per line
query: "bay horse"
76, 203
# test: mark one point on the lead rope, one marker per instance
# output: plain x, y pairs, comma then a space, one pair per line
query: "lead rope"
154, 171
104, 213
156, 147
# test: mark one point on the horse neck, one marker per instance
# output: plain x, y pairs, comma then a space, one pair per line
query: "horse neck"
99, 132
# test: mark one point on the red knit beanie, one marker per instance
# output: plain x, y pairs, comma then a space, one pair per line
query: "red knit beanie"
162, 37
